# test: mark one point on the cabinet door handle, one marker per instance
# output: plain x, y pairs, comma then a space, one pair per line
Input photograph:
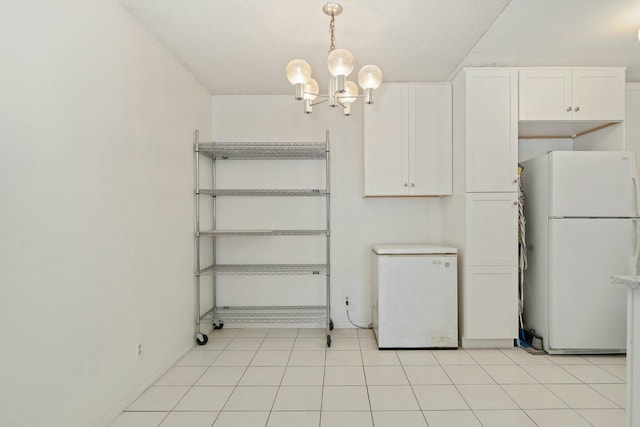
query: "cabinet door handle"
413, 184
576, 109
568, 109
515, 203
405, 184
515, 181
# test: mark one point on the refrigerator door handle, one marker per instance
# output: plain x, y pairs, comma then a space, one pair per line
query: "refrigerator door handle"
636, 255
634, 176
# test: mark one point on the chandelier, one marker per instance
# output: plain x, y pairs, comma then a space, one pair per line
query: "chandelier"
340, 63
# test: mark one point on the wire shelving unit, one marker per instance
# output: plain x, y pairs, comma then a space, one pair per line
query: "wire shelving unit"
217, 315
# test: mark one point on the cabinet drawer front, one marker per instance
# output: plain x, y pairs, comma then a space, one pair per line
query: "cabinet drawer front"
492, 227
490, 308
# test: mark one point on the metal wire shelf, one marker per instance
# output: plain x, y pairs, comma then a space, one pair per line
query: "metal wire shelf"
266, 192
267, 314
264, 233
218, 315
263, 150
266, 269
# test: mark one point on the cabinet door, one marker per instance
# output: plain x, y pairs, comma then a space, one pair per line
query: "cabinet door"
545, 94
490, 308
598, 94
492, 229
491, 130
386, 142
430, 132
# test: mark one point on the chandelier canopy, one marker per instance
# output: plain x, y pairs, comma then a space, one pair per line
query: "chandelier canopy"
340, 63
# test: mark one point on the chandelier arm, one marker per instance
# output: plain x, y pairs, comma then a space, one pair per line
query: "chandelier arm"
319, 102
351, 96
321, 95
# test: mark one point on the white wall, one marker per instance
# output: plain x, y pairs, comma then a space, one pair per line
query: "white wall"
632, 120
608, 139
530, 148
357, 222
96, 209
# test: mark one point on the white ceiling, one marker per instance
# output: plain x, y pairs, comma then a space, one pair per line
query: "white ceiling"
242, 47
563, 33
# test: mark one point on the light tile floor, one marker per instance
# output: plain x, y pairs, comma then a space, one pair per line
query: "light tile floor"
287, 378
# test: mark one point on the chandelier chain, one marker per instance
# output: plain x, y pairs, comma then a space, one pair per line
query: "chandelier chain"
332, 29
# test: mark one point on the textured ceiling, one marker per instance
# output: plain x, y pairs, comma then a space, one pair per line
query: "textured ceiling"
243, 47
563, 33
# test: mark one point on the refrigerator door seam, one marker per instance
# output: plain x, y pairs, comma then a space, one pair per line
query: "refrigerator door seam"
634, 176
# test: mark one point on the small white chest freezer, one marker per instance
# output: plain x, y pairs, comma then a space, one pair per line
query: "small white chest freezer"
415, 296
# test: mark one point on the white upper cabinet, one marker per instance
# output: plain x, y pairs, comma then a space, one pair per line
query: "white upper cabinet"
386, 142
545, 95
580, 94
407, 140
491, 126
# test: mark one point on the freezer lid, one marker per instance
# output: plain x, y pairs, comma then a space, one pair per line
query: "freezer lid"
592, 184
413, 249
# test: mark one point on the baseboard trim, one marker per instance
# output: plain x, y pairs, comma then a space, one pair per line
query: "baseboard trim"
490, 343
131, 397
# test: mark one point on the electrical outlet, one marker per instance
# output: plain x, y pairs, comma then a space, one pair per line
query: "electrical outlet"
139, 351
348, 304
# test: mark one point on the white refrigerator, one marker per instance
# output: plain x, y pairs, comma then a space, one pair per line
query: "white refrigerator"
581, 228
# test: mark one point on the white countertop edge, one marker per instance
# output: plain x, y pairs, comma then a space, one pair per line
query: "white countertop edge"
631, 281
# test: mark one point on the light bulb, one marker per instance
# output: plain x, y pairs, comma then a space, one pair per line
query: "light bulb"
340, 62
350, 92
298, 71
370, 77
311, 89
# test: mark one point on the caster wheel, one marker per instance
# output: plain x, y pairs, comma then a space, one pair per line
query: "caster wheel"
218, 326
328, 340
330, 325
202, 339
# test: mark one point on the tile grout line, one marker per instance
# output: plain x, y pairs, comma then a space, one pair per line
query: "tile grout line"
177, 385
239, 379
411, 386
194, 384
580, 382
545, 386
507, 393
282, 379
366, 383
617, 406
456, 385
324, 373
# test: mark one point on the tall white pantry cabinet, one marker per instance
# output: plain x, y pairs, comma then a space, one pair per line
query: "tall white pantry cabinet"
480, 218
